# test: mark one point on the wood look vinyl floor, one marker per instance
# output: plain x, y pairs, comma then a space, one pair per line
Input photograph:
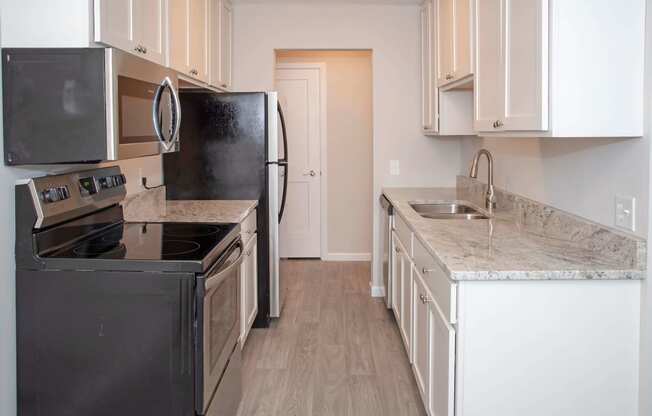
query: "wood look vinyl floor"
334, 351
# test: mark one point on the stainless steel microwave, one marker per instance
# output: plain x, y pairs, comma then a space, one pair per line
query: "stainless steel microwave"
81, 105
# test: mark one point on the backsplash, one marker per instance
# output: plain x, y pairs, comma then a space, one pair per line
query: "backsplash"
540, 219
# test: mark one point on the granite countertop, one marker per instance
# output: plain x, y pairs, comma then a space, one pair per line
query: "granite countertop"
151, 206
525, 240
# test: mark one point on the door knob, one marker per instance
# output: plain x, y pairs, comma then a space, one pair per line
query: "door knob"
311, 173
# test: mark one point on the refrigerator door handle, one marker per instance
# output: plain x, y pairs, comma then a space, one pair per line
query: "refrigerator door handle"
283, 162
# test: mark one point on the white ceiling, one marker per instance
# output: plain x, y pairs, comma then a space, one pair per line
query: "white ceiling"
399, 2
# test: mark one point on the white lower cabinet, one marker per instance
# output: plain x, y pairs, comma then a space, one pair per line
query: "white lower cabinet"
406, 317
421, 332
248, 277
513, 348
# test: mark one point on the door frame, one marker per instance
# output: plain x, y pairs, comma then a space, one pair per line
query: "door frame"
323, 145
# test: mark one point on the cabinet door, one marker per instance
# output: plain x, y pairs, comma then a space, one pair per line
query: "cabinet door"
462, 40
428, 81
421, 337
445, 39
489, 69
198, 38
397, 270
178, 35
406, 303
149, 29
442, 359
526, 65
248, 288
226, 45
114, 23
252, 282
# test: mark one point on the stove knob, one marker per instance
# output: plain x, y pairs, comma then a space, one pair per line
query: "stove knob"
51, 195
63, 192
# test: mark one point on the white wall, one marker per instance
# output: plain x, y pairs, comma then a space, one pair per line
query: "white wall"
391, 32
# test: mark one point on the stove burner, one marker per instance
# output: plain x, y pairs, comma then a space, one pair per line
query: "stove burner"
191, 230
178, 247
96, 249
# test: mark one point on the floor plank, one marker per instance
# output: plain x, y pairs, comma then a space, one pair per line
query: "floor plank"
335, 351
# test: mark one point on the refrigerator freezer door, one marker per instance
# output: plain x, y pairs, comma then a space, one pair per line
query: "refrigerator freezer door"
276, 292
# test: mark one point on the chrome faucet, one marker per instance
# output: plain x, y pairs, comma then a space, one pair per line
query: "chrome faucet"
490, 196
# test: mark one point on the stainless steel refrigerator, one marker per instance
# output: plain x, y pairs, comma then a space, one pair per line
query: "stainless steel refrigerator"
230, 150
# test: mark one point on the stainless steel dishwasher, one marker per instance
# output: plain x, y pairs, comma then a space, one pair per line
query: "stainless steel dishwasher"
386, 226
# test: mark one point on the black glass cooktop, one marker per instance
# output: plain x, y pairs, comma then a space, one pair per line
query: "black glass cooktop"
150, 241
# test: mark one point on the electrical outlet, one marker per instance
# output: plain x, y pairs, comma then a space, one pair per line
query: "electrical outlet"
394, 168
626, 212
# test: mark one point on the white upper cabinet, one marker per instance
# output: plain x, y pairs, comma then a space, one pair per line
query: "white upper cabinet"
428, 93
445, 111
489, 82
136, 26
559, 68
220, 48
226, 44
454, 44
188, 37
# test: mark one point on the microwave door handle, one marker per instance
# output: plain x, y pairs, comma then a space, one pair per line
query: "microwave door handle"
156, 111
177, 112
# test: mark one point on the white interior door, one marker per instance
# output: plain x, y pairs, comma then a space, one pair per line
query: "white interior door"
300, 96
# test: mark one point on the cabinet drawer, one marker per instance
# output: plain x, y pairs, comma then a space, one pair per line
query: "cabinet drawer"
404, 233
248, 227
443, 290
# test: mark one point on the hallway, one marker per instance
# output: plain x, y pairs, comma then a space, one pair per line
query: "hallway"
335, 351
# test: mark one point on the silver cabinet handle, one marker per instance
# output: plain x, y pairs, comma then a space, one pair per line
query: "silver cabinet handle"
138, 48
449, 76
144, 49
498, 124
426, 271
311, 173
424, 299
194, 72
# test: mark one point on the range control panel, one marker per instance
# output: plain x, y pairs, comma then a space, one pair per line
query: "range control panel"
74, 194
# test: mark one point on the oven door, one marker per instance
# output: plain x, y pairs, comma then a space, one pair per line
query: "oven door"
218, 316
146, 111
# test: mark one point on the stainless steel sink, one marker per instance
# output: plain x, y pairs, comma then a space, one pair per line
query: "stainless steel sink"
448, 211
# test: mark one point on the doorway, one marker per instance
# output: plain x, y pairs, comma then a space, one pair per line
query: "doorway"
327, 99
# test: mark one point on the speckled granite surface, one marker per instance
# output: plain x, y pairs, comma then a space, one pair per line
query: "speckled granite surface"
151, 206
525, 240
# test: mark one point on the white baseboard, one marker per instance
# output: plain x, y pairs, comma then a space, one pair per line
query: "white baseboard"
377, 291
347, 257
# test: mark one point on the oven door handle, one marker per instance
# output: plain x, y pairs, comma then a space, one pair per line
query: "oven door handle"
214, 278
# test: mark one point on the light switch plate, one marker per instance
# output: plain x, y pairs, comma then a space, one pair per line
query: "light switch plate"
626, 212
394, 168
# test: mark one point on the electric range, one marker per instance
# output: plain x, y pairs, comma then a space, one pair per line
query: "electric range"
115, 317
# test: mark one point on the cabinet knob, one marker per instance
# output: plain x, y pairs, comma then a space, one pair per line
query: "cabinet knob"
449, 76
144, 49
424, 299
194, 72
426, 271
224, 85
498, 124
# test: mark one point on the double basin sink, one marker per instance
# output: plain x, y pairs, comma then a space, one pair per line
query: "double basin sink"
448, 211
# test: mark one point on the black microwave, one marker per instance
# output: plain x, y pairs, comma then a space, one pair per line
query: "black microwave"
86, 105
